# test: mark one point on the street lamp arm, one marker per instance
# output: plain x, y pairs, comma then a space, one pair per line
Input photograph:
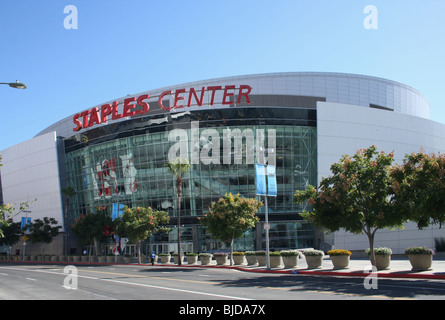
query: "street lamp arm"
17, 84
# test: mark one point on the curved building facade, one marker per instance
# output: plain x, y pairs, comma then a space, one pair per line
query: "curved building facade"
114, 154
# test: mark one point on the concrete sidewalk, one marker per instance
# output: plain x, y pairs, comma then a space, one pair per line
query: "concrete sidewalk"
399, 268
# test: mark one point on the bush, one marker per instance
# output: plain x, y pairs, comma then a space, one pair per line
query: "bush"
274, 253
260, 253
313, 252
289, 253
164, 254
220, 254
192, 254
339, 252
238, 253
250, 253
205, 254
418, 250
380, 251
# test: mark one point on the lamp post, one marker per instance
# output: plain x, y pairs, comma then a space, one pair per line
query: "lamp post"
266, 217
17, 84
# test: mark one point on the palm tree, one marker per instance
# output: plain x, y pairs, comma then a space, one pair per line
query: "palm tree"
178, 167
67, 192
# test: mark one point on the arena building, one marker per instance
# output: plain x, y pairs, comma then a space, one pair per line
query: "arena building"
114, 154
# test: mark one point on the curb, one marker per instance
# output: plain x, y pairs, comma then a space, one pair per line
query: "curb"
395, 275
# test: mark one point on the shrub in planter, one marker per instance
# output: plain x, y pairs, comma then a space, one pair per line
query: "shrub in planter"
290, 258
261, 257
251, 258
192, 258
238, 257
175, 257
314, 258
421, 258
382, 257
205, 258
340, 258
221, 258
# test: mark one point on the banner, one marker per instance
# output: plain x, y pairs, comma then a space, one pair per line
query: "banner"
266, 187
25, 221
260, 180
117, 210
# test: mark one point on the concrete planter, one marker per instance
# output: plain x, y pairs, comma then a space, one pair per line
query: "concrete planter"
382, 261
76, 258
314, 262
340, 262
276, 261
165, 259
261, 261
251, 260
205, 260
102, 259
420, 262
239, 260
221, 260
192, 259
176, 259
84, 258
290, 262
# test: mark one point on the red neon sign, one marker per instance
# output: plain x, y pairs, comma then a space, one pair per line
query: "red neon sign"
100, 115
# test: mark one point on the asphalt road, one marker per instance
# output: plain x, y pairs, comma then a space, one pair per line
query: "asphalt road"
132, 282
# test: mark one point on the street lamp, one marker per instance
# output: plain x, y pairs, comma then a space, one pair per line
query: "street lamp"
17, 84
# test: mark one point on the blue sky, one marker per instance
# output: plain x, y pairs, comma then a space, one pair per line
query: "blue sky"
125, 47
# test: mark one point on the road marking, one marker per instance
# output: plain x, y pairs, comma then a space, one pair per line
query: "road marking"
31, 279
3, 274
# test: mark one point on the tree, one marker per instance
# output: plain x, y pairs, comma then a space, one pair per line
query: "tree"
137, 224
12, 233
43, 231
358, 197
419, 186
230, 217
91, 226
177, 168
68, 193
8, 211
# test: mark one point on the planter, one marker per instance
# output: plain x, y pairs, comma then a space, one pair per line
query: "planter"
128, 259
165, 258
290, 262
54, 258
340, 262
93, 259
76, 258
176, 260
251, 260
62, 259
314, 262
239, 259
33, 258
110, 259
47, 258
382, 261
84, 258
102, 259
205, 259
275, 261
261, 260
192, 259
420, 262
221, 260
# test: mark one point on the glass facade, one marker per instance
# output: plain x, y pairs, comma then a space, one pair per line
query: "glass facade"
124, 164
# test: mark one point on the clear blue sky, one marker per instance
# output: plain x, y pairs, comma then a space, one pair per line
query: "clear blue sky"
125, 47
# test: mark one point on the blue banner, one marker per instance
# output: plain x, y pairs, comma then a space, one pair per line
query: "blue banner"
117, 211
271, 181
266, 187
260, 180
25, 222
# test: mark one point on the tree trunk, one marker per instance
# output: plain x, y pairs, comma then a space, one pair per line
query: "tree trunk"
179, 189
371, 245
231, 252
138, 246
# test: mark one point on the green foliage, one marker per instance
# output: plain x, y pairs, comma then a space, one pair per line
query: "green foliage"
139, 223
43, 231
11, 233
339, 252
8, 211
419, 250
91, 226
419, 185
231, 216
312, 252
358, 197
380, 251
289, 253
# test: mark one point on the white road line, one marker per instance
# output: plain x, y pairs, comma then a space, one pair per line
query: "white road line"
31, 279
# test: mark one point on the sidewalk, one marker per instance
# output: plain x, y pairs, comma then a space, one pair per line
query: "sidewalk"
399, 268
